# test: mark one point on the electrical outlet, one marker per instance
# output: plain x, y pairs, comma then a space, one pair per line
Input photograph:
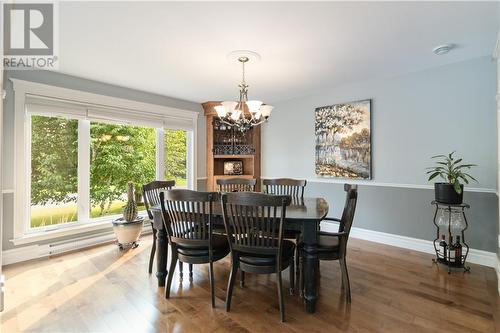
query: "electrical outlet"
4, 94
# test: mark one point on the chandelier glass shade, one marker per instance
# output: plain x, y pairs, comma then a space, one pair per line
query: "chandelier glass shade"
244, 114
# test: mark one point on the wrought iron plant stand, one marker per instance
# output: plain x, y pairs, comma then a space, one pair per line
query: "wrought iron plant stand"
452, 221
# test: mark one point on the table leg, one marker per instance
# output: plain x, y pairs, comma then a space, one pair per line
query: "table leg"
311, 263
161, 256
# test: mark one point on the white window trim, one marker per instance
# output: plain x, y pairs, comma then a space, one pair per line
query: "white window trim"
22, 146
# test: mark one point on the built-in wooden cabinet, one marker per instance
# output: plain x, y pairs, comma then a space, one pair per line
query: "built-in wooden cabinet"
224, 145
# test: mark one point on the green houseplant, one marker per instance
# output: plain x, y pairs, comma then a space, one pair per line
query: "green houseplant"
452, 170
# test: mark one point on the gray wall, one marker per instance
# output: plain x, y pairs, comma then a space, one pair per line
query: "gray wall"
407, 212
66, 81
414, 116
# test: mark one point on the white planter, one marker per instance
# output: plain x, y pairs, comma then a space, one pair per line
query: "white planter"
127, 233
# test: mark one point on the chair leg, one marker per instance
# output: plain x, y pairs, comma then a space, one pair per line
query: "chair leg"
173, 263
345, 278
153, 251
242, 279
297, 254
301, 275
292, 278
232, 278
190, 272
181, 270
211, 276
280, 296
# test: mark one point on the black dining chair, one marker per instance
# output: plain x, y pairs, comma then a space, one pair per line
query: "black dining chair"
286, 186
236, 184
254, 227
333, 245
151, 195
295, 189
188, 222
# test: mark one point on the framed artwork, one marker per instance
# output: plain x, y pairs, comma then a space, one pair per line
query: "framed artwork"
343, 140
233, 168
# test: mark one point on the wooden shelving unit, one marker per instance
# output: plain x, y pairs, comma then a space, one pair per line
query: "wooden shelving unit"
219, 139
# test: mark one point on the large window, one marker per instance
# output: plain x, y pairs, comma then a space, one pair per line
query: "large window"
75, 151
119, 154
54, 164
80, 167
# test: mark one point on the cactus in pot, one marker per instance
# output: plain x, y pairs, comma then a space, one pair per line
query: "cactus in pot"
130, 210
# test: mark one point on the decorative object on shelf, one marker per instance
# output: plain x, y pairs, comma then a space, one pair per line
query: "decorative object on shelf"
450, 169
127, 232
130, 209
451, 223
233, 168
244, 114
343, 140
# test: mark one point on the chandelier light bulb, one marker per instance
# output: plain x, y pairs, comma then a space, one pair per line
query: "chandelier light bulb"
229, 106
266, 110
253, 106
235, 115
221, 111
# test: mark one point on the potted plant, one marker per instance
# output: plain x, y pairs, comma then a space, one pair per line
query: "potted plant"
452, 171
128, 228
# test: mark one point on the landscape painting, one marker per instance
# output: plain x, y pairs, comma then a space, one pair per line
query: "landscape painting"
343, 140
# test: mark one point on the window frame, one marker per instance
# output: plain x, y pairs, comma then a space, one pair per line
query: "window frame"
173, 118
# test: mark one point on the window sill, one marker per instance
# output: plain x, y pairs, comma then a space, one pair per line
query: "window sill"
63, 232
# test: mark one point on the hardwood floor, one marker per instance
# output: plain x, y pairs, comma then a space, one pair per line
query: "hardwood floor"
102, 290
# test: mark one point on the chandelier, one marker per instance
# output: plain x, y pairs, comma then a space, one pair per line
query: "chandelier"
244, 114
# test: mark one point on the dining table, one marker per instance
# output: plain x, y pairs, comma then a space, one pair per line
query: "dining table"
303, 214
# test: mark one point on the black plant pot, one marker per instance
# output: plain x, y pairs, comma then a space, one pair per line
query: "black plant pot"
445, 193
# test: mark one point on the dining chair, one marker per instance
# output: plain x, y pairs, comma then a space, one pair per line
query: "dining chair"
286, 186
151, 195
295, 189
236, 184
333, 245
188, 222
254, 227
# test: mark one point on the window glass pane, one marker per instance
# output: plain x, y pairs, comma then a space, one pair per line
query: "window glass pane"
54, 164
119, 154
175, 156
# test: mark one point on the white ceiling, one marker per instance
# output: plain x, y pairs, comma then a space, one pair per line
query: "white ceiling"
179, 49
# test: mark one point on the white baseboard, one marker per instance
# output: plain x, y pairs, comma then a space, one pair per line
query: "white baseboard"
25, 253
20, 254
475, 256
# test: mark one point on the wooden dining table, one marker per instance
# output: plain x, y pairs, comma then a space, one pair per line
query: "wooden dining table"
302, 215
